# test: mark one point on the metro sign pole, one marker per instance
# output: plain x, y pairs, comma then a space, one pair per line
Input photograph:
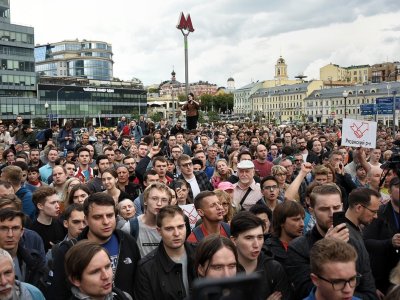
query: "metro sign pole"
186, 27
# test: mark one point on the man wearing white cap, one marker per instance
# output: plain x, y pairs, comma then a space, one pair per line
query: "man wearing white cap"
246, 192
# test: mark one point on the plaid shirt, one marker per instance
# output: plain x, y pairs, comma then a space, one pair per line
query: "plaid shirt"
202, 181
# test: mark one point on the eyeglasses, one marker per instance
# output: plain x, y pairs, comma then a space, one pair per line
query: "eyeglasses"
371, 210
14, 229
340, 284
187, 165
158, 199
270, 187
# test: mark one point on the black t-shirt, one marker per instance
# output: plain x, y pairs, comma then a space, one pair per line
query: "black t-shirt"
55, 232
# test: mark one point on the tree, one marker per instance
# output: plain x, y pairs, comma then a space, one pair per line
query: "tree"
156, 117
40, 123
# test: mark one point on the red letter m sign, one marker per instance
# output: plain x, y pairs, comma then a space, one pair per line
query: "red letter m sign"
185, 23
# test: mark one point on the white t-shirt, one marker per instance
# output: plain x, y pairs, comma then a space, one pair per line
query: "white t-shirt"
194, 186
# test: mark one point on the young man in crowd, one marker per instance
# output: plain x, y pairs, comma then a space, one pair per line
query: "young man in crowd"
47, 224
270, 192
95, 185
100, 216
59, 179
47, 170
247, 232
210, 210
34, 158
333, 270
13, 175
169, 270
29, 264
198, 181
143, 228
201, 154
150, 177
287, 224
84, 172
262, 165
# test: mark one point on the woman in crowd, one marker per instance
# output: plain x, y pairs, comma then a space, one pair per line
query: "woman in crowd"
110, 181
233, 161
69, 184
221, 172
78, 194
226, 203
126, 209
279, 173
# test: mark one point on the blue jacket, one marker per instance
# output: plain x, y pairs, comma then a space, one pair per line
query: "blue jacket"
28, 207
70, 144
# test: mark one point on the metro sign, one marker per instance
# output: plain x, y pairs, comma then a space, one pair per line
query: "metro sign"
185, 23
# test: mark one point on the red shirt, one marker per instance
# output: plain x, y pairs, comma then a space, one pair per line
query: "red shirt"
192, 238
263, 169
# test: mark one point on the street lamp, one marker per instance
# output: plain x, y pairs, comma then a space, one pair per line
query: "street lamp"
345, 94
46, 107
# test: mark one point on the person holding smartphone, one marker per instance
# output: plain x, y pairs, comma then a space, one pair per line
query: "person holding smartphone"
325, 200
192, 112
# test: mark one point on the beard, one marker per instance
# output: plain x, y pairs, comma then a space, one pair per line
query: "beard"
9, 295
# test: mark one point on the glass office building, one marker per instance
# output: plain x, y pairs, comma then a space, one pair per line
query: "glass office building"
17, 66
84, 103
86, 59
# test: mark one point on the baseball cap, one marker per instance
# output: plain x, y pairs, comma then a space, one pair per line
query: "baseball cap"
245, 164
225, 185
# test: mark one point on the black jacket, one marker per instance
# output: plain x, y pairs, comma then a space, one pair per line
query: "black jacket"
35, 267
274, 277
124, 279
298, 266
158, 277
378, 240
274, 246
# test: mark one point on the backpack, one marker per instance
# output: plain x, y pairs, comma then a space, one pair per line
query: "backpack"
198, 233
134, 224
40, 136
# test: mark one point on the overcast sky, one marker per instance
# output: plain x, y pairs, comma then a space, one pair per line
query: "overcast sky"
233, 38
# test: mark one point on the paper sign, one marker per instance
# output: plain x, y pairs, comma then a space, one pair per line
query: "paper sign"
191, 212
359, 133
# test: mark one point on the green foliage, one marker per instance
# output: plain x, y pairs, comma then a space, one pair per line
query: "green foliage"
217, 103
153, 90
182, 97
156, 117
40, 123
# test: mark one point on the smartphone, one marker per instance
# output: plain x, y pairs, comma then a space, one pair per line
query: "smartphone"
239, 287
339, 217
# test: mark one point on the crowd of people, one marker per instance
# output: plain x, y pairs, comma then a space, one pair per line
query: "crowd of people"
106, 214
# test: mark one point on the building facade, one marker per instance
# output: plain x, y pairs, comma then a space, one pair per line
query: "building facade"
330, 106
83, 101
282, 103
87, 59
17, 67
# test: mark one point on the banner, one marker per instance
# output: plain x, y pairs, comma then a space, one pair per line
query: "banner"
191, 212
359, 133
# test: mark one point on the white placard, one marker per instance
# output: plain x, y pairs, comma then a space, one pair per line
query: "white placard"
359, 133
191, 212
